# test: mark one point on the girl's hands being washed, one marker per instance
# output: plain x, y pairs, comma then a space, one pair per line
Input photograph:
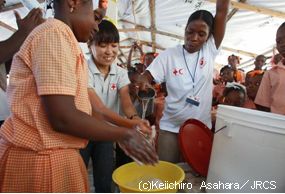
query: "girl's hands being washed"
142, 125
138, 148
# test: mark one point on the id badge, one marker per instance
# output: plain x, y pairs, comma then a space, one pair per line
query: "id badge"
193, 100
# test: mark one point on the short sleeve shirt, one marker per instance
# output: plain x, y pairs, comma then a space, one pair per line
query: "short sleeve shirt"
271, 91
181, 71
4, 110
108, 88
50, 62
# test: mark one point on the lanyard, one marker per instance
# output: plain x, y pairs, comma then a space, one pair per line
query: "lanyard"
192, 76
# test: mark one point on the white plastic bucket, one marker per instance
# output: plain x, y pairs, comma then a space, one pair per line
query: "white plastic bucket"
248, 153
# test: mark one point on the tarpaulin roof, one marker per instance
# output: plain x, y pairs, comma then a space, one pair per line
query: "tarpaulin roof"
160, 24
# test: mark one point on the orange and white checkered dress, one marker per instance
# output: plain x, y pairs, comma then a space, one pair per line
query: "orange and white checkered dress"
33, 156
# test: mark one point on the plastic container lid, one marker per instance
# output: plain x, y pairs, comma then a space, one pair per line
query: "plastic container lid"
195, 141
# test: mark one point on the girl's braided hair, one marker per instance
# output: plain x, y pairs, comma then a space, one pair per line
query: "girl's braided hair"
234, 87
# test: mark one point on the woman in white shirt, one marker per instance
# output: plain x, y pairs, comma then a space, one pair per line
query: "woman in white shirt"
188, 72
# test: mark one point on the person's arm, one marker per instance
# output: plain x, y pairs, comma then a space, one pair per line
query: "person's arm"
103, 4
129, 61
73, 120
100, 12
100, 109
139, 48
10, 46
64, 117
222, 7
133, 48
2, 4
126, 103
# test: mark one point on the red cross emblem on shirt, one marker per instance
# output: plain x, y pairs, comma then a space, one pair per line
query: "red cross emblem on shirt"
202, 62
113, 86
177, 71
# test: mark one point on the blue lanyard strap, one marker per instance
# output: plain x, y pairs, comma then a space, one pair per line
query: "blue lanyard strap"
192, 76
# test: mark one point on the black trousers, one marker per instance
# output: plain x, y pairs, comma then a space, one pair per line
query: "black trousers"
102, 156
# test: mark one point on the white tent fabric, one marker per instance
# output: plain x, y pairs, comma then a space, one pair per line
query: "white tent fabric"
247, 31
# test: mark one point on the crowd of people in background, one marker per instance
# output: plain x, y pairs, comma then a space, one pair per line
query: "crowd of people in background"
248, 83
261, 89
58, 111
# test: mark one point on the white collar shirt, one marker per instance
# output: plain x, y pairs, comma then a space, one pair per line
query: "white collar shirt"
108, 88
170, 67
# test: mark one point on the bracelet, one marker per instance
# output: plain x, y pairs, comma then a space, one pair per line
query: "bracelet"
134, 115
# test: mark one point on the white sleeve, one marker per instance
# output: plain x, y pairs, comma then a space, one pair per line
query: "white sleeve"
123, 78
212, 46
158, 67
90, 78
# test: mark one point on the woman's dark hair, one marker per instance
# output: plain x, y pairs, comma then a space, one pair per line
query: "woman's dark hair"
281, 26
108, 33
204, 15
